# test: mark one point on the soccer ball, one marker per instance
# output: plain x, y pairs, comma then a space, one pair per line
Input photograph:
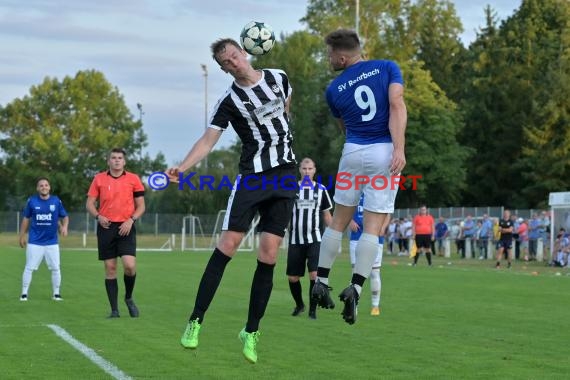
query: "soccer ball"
257, 38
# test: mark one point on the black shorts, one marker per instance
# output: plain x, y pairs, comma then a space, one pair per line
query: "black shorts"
506, 244
271, 193
423, 241
111, 245
298, 254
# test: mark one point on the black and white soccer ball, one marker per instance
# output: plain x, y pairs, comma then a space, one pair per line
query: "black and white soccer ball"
257, 38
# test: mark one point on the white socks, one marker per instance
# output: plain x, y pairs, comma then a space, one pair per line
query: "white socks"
26, 280
366, 251
330, 248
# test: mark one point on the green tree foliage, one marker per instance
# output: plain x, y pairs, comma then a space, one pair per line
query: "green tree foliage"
209, 190
432, 148
516, 106
544, 164
437, 43
64, 130
492, 118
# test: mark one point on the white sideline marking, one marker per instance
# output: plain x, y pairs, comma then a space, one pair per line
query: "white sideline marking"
90, 354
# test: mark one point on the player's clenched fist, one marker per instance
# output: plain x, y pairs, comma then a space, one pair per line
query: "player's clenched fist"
172, 174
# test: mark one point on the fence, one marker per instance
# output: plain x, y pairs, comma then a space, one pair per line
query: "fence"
159, 223
462, 212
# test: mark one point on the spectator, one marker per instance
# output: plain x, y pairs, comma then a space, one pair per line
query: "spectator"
455, 234
516, 223
496, 233
441, 233
469, 229
562, 249
545, 229
461, 240
485, 231
523, 238
406, 233
533, 236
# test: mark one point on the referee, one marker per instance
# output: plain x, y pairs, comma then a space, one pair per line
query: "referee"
305, 235
121, 203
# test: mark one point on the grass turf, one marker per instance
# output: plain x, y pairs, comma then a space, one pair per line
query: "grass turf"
458, 320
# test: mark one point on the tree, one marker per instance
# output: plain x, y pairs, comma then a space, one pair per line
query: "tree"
211, 186
64, 130
544, 161
516, 106
438, 45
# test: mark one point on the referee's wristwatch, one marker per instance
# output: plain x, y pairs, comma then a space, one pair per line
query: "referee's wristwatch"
134, 218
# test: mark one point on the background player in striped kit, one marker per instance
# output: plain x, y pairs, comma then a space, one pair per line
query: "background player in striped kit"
355, 227
44, 215
256, 105
312, 206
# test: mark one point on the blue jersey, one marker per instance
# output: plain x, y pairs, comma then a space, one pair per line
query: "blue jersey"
358, 217
359, 96
440, 230
44, 215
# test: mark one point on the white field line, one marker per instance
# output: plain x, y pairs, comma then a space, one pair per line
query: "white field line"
90, 354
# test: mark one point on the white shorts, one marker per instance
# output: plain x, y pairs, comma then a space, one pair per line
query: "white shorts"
366, 169
36, 253
377, 262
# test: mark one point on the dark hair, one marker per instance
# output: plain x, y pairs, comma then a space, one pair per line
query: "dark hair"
42, 179
308, 159
118, 150
343, 39
220, 46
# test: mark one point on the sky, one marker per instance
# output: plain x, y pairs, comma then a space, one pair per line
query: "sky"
153, 52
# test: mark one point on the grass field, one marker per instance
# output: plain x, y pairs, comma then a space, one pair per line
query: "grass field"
460, 320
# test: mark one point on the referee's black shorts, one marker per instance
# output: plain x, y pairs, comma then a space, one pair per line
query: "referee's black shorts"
271, 193
111, 245
298, 254
423, 241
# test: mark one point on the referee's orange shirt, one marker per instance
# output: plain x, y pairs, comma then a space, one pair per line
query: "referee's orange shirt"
423, 224
116, 194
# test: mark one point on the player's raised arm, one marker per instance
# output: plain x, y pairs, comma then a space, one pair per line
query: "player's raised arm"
201, 149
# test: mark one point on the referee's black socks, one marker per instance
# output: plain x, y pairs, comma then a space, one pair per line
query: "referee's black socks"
112, 292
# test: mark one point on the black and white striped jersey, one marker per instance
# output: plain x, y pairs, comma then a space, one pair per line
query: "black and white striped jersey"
258, 116
307, 213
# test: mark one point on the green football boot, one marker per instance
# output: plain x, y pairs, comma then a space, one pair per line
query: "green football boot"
249, 341
190, 337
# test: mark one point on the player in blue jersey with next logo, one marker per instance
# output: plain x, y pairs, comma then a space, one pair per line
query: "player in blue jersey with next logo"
367, 98
44, 215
